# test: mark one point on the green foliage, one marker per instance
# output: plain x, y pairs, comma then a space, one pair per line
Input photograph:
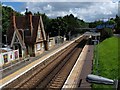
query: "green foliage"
6, 11
57, 27
94, 24
46, 22
6, 16
62, 25
111, 22
45, 19
117, 20
106, 33
73, 23
54, 27
108, 61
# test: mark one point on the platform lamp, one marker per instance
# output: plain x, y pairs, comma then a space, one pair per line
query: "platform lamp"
101, 80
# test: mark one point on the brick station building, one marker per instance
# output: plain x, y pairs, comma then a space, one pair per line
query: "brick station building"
27, 34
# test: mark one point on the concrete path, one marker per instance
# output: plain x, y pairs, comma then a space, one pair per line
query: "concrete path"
87, 68
82, 67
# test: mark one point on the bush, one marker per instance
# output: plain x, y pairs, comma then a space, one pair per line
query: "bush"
106, 33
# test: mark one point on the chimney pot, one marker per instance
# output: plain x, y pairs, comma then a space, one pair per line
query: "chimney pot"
26, 9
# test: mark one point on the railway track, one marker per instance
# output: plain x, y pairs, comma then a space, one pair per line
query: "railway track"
55, 73
58, 76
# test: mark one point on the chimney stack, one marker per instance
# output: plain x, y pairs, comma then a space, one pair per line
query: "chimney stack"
13, 20
29, 20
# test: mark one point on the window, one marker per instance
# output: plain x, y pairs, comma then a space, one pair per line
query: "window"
38, 34
38, 46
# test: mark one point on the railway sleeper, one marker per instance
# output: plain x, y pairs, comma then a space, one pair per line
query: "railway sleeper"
60, 79
34, 81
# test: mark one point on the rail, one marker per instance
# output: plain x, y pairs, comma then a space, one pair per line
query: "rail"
31, 68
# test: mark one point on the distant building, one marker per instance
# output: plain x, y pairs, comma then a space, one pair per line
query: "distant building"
27, 34
104, 33
103, 26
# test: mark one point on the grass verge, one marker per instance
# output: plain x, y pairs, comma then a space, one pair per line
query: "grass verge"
108, 61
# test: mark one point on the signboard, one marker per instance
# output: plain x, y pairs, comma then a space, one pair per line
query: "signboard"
5, 58
9, 56
1, 61
16, 54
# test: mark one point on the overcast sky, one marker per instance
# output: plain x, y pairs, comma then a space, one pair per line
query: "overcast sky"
88, 11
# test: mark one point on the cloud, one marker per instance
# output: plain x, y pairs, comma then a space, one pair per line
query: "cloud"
23, 12
88, 11
8, 6
47, 8
58, 0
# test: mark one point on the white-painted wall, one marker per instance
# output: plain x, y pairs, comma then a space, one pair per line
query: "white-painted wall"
10, 56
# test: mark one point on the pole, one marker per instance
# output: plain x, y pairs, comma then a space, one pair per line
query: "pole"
58, 36
97, 55
69, 36
6, 39
23, 35
116, 84
96, 43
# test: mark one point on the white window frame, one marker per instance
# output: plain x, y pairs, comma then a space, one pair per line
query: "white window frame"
38, 46
38, 33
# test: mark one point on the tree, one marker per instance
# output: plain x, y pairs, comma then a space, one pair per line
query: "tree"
46, 22
57, 27
117, 20
71, 21
95, 24
106, 33
62, 25
6, 15
111, 22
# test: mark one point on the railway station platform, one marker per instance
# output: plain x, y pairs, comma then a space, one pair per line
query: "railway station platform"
83, 67
8, 79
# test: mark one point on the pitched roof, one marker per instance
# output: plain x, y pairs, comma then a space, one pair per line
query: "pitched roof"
17, 34
103, 26
23, 22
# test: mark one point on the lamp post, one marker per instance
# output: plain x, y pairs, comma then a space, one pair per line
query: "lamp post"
59, 39
6, 39
69, 33
97, 54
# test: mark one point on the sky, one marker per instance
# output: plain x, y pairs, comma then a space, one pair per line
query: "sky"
87, 10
